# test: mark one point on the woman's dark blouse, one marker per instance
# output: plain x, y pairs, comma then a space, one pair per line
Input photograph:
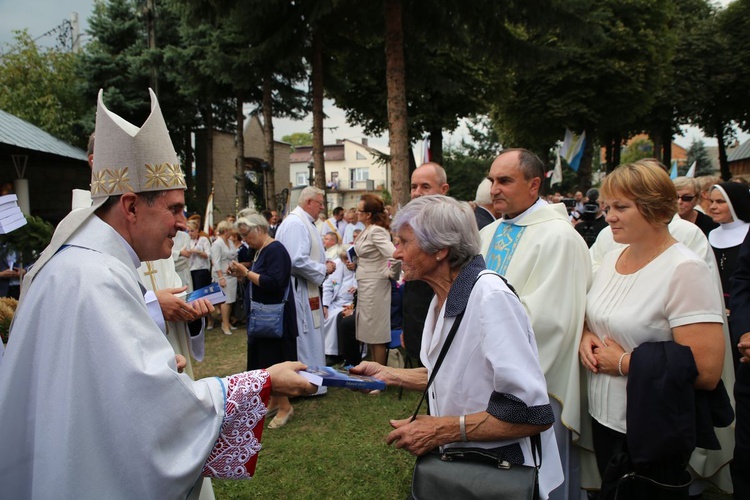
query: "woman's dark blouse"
275, 269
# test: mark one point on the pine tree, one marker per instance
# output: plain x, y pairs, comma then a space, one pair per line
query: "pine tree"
697, 152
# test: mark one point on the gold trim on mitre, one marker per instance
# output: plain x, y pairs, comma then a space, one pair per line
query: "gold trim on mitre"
128, 159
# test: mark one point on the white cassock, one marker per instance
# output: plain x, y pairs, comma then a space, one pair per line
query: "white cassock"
91, 403
548, 264
333, 252
707, 464
182, 263
307, 273
336, 295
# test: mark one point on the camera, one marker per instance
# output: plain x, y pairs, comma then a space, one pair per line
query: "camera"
590, 209
570, 204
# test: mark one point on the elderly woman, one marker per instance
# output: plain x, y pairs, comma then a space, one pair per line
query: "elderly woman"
268, 283
653, 294
687, 198
490, 389
222, 253
374, 270
730, 209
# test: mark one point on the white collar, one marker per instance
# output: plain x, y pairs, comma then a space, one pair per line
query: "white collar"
729, 235
539, 203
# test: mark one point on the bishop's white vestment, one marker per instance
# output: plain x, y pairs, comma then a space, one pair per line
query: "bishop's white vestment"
548, 264
90, 394
308, 273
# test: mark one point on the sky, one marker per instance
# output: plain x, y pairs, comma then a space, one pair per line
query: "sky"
41, 16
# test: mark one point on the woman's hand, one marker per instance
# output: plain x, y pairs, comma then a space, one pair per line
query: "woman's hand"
588, 346
608, 358
237, 270
744, 347
417, 437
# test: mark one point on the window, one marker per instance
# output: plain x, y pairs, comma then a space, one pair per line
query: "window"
301, 179
360, 156
361, 174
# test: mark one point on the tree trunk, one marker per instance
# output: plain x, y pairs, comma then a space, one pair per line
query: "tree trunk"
187, 147
396, 88
584, 168
666, 158
269, 174
436, 145
657, 140
616, 152
723, 161
316, 78
209, 166
239, 162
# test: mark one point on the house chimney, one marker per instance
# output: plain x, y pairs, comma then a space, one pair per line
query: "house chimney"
364, 141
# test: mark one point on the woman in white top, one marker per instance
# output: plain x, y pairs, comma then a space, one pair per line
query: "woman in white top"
199, 249
490, 391
222, 254
653, 290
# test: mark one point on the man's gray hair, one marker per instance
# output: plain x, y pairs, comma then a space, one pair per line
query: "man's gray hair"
309, 193
253, 222
441, 222
483, 196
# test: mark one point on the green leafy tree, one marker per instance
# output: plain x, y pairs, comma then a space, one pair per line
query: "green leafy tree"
638, 150
298, 139
39, 86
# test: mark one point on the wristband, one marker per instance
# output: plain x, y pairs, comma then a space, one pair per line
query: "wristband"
619, 364
462, 427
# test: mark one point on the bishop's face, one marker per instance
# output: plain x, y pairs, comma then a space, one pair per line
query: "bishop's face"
154, 227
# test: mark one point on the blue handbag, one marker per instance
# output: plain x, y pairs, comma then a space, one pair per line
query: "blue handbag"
266, 321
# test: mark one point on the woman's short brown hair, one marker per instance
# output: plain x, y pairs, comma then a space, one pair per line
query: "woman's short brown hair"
649, 186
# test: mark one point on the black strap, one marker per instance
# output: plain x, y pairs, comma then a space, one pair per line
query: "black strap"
439, 361
536, 440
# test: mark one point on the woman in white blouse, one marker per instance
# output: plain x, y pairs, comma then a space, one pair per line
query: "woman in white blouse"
653, 290
490, 390
222, 254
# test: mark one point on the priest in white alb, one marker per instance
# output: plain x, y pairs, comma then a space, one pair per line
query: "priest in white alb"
89, 390
540, 254
309, 269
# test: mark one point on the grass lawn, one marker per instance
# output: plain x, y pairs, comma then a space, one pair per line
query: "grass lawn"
334, 446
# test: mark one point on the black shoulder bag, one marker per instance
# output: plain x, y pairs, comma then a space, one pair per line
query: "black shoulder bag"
472, 473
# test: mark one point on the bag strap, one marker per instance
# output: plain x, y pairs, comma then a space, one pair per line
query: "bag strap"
536, 440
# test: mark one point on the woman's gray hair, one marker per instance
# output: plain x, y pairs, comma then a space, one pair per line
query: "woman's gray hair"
253, 222
441, 222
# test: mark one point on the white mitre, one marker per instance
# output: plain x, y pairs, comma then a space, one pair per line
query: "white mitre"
128, 159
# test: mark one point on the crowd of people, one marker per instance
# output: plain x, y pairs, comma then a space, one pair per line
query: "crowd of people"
597, 328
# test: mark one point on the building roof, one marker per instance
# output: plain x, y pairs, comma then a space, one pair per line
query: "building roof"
741, 152
17, 132
303, 154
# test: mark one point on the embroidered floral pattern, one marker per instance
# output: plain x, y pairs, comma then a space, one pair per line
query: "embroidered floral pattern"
236, 450
99, 183
164, 175
156, 176
119, 180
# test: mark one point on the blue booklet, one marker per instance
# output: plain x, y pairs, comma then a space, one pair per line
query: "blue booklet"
325, 375
211, 292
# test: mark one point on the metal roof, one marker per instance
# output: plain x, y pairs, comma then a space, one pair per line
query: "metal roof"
740, 152
17, 132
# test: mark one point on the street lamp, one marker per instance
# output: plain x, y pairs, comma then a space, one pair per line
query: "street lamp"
311, 172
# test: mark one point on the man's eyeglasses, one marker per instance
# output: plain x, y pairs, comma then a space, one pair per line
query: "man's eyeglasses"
686, 198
